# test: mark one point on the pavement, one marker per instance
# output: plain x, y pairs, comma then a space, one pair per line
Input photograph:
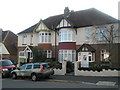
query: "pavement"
107, 81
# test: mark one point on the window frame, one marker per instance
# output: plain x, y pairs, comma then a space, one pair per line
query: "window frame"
31, 39
44, 37
87, 33
69, 55
105, 52
48, 53
29, 68
100, 31
67, 36
24, 39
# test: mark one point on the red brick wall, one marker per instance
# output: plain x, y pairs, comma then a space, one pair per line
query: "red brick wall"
45, 46
99, 47
21, 48
5, 55
71, 46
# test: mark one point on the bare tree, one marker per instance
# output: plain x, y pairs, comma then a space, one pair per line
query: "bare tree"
108, 35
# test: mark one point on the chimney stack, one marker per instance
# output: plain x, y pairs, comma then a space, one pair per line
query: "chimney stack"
66, 11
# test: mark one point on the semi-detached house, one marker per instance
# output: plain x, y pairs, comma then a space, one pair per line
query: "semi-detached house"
8, 45
72, 36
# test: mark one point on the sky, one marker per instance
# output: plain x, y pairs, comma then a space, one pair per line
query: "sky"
18, 15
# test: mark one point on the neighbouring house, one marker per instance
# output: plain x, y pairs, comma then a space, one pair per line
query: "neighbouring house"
8, 45
72, 36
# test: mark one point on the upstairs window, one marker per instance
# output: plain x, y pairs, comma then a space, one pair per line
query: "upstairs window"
101, 33
67, 36
87, 33
44, 37
24, 41
31, 41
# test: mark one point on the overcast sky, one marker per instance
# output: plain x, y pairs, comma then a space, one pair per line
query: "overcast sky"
17, 15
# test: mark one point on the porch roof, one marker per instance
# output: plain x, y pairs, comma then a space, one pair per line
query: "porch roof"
89, 48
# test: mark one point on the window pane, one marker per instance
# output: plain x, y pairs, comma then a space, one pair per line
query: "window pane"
68, 55
37, 66
67, 36
29, 67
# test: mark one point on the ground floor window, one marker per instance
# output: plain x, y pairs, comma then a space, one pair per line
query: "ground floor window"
24, 55
104, 55
68, 55
48, 53
90, 56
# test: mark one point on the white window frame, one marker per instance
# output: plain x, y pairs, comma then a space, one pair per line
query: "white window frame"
67, 36
48, 53
21, 56
92, 55
104, 53
43, 38
31, 40
100, 31
24, 41
68, 55
87, 33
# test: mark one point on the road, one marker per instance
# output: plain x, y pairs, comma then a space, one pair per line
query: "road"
49, 83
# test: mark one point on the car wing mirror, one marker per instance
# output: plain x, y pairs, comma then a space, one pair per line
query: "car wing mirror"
18, 68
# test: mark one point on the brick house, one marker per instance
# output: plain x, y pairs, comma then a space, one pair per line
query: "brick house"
72, 36
8, 45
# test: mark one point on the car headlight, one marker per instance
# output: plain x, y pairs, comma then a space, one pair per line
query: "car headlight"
5, 69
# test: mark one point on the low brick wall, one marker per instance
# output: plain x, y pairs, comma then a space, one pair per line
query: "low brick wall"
94, 73
61, 71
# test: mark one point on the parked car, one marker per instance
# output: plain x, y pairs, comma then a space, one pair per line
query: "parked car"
33, 70
6, 66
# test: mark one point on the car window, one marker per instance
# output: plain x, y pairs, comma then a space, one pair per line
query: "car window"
29, 67
0, 63
7, 63
46, 66
22, 67
36, 66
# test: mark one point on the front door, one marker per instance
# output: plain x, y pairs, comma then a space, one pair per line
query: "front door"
84, 59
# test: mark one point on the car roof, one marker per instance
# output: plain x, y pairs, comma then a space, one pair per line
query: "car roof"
4, 60
37, 63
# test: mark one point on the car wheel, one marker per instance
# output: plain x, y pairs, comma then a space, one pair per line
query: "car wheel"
14, 76
34, 77
3, 76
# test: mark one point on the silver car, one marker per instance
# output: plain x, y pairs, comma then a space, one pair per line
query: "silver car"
34, 70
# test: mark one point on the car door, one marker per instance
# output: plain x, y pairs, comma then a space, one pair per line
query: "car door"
28, 70
21, 71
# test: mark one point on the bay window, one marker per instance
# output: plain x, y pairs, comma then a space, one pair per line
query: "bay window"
68, 55
44, 37
67, 36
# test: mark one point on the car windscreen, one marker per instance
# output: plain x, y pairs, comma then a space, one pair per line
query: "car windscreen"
6, 63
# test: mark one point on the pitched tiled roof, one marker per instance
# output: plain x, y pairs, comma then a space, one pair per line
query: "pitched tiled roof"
82, 18
53, 21
10, 42
89, 47
90, 17
28, 30
4, 33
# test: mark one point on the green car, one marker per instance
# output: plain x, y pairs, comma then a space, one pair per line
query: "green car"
33, 70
